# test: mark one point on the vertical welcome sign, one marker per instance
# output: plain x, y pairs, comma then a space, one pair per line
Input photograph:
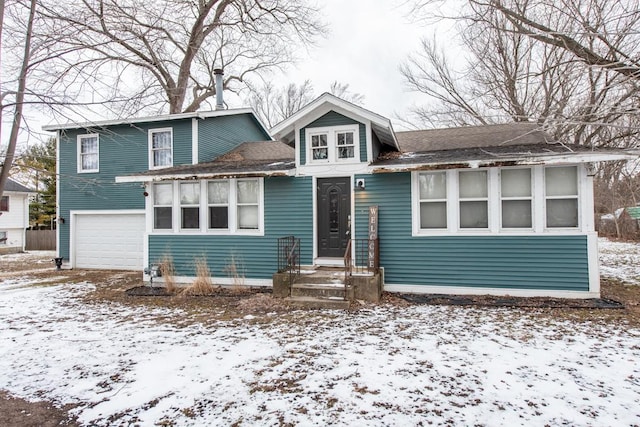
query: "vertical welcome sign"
373, 236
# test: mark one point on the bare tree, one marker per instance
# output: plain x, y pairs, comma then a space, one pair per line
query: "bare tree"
274, 104
509, 76
161, 57
19, 94
603, 34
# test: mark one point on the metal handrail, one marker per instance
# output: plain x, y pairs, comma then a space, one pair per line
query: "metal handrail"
289, 257
347, 268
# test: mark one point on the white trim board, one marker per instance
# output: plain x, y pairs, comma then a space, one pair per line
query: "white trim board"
183, 281
463, 290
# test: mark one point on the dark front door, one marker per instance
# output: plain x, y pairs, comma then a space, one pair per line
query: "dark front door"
334, 216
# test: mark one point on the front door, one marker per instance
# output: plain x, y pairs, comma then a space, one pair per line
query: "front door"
334, 216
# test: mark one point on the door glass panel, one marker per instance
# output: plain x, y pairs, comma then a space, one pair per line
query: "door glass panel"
334, 211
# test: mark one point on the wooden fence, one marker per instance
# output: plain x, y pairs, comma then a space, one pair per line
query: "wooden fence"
41, 240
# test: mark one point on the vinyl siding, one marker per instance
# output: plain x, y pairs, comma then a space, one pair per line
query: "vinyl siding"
288, 211
123, 150
333, 119
544, 262
218, 135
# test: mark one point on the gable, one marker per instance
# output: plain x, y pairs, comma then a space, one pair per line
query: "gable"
333, 120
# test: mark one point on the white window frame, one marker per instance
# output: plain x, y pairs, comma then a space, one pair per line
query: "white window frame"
577, 197
486, 199
332, 144
8, 199
421, 201
538, 202
519, 198
190, 205
337, 146
151, 150
320, 147
217, 205
80, 153
154, 206
233, 227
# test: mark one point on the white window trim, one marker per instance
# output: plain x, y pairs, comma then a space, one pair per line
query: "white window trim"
487, 199
538, 201
205, 194
332, 144
79, 149
577, 198
150, 138
8, 203
154, 206
531, 198
198, 205
233, 229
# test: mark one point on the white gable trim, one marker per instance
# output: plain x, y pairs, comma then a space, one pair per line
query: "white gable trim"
322, 105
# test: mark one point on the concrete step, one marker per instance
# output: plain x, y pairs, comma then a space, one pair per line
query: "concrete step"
321, 277
318, 303
319, 290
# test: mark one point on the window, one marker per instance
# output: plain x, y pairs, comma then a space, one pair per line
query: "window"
3, 237
4, 204
474, 199
510, 200
433, 200
332, 144
88, 153
345, 145
190, 205
160, 148
225, 206
247, 195
515, 191
319, 149
218, 201
561, 196
162, 206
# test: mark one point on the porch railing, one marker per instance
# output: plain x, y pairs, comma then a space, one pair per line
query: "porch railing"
361, 256
289, 257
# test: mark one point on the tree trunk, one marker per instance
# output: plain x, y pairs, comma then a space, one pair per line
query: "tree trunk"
17, 115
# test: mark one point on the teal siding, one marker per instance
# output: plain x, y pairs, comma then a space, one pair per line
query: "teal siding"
333, 119
288, 211
543, 262
123, 150
218, 135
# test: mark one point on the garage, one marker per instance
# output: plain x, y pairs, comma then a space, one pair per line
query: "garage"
109, 241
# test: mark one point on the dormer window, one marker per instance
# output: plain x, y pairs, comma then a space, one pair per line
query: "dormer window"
332, 144
345, 145
319, 150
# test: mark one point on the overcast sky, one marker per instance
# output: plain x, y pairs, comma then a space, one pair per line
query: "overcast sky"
367, 40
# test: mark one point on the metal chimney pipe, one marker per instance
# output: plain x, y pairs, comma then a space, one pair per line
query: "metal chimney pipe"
219, 73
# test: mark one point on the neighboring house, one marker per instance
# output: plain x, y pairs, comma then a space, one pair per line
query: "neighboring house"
14, 217
496, 209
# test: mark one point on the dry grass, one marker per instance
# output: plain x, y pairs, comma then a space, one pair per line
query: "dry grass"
202, 285
168, 272
236, 274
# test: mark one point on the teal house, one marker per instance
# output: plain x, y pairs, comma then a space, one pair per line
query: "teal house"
498, 209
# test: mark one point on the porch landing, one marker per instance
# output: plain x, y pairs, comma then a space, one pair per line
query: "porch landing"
325, 287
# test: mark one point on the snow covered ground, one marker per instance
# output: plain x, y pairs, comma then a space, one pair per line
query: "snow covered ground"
384, 365
620, 260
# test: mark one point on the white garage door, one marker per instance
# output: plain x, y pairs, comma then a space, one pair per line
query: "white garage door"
109, 241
